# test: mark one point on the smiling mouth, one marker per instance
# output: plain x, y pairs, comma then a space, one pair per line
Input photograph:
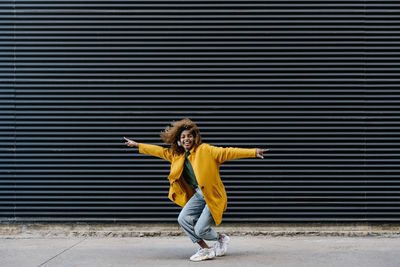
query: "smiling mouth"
187, 143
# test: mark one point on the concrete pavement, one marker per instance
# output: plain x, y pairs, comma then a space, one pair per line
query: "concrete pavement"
175, 251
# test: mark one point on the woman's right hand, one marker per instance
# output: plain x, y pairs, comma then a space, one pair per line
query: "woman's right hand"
131, 143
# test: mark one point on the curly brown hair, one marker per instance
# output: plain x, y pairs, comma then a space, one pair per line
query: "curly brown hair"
171, 135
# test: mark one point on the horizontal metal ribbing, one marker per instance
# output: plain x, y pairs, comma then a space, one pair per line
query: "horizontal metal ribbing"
314, 81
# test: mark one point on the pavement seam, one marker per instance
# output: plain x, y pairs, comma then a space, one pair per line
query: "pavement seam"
62, 252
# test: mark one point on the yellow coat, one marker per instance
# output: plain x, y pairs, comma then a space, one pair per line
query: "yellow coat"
205, 160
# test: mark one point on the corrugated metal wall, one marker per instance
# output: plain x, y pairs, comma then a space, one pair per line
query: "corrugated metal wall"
317, 82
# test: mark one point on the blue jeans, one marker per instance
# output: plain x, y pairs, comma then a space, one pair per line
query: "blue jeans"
196, 219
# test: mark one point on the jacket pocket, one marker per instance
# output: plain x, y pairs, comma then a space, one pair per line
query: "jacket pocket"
219, 198
176, 193
219, 192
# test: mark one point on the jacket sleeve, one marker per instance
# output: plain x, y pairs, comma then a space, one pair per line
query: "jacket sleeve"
222, 154
156, 151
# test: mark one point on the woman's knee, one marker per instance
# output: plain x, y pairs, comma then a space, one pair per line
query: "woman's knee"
180, 219
183, 219
201, 230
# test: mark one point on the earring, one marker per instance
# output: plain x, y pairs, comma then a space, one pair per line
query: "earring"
179, 143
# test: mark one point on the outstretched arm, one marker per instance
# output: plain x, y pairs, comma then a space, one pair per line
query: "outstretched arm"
152, 150
222, 154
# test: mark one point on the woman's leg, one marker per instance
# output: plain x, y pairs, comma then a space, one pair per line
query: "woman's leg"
188, 217
203, 228
204, 231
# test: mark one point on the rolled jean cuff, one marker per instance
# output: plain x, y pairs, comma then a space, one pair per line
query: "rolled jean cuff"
195, 241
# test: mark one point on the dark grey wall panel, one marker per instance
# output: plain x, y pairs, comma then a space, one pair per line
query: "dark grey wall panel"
7, 111
317, 82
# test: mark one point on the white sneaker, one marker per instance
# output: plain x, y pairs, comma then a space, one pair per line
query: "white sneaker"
221, 246
203, 254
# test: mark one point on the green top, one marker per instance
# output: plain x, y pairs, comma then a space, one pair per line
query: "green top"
188, 172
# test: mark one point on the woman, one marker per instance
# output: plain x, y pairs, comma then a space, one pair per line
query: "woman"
195, 183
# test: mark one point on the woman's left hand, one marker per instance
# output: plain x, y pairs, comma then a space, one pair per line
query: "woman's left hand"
259, 152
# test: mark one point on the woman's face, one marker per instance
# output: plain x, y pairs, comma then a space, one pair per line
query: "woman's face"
187, 140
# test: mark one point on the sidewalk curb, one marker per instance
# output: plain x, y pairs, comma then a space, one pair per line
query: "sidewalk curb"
77, 230
122, 234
